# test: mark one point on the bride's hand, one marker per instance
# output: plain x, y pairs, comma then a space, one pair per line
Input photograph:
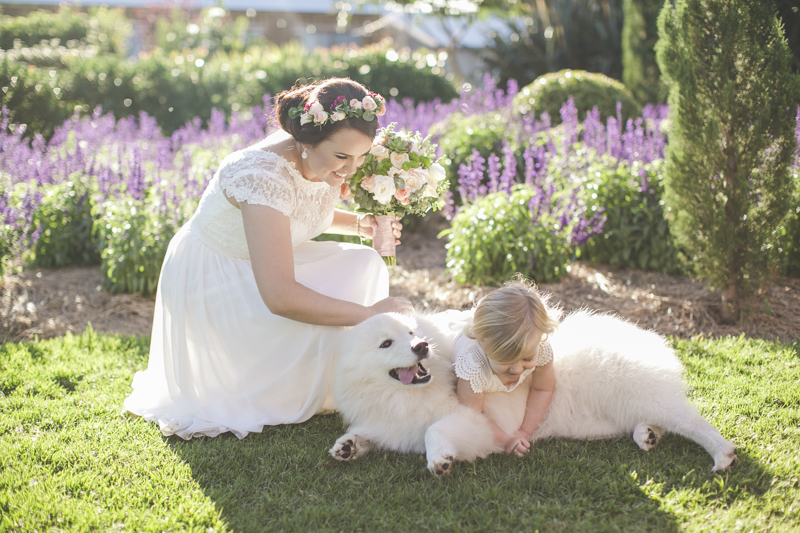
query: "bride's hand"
393, 304
367, 227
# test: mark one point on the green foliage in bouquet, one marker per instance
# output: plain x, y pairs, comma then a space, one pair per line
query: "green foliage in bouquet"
494, 237
64, 219
399, 176
550, 91
636, 233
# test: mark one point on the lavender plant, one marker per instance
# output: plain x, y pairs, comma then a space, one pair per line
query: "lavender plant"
138, 184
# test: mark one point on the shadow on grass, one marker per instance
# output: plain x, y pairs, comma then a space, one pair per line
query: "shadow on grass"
283, 478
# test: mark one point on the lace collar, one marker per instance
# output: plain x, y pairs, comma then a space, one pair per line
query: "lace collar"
290, 167
472, 365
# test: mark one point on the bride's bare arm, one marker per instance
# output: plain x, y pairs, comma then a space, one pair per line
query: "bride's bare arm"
270, 244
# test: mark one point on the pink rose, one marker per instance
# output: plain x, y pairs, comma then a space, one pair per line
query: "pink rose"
415, 179
381, 111
369, 103
368, 184
345, 192
355, 104
337, 115
402, 195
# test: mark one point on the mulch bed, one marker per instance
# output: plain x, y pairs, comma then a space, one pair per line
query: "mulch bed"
45, 303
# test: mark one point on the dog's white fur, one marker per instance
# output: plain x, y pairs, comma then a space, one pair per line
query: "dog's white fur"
612, 379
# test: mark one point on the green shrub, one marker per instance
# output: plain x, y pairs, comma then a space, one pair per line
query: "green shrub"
731, 139
212, 30
495, 237
175, 88
549, 92
107, 30
790, 234
17, 204
33, 98
459, 135
64, 219
635, 234
134, 237
639, 35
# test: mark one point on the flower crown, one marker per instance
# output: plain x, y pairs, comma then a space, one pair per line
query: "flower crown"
371, 106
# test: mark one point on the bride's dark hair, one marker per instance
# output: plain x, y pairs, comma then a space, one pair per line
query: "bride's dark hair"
325, 92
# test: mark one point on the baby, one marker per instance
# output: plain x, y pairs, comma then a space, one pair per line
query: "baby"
504, 345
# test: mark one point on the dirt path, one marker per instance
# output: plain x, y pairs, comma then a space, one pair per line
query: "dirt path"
47, 303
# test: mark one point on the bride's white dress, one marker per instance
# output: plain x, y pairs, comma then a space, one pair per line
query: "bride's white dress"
219, 360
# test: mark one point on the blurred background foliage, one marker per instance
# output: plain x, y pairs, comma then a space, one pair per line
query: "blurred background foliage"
71, 61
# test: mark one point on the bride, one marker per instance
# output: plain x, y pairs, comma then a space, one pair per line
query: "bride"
248, 308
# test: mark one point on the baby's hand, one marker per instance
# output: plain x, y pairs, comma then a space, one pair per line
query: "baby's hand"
518, 445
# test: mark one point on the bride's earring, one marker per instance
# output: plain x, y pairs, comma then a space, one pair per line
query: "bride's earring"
304, 155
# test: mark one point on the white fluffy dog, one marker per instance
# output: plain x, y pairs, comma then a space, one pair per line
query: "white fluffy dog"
395, 387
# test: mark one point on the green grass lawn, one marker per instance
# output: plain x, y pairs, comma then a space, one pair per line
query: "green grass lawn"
71, 460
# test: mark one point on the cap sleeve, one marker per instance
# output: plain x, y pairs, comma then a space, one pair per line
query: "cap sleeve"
471, 364
260, 178
544, 354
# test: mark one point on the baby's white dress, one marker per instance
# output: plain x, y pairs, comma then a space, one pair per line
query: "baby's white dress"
472, 364
219, 360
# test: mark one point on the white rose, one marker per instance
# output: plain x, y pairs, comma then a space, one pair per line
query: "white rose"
315, 108
338, 115
415, 179
437, 172
393, 171
320, 117
369, 103
398, 159
355, 104
384, 189
379, 151
305, 118
430, 191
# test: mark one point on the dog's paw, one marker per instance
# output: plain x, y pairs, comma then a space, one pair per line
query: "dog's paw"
349, 448
724, 459
647, 436
441, 466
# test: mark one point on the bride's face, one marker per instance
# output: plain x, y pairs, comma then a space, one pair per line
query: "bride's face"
337, 157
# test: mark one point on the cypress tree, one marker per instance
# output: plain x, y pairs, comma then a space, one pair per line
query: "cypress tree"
640, 72
731, 139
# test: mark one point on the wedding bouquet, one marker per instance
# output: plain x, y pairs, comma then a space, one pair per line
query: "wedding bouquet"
398, 177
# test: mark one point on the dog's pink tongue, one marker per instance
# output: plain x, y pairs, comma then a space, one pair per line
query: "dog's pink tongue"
406, 375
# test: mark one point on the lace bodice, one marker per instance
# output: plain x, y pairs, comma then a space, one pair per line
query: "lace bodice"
265, 178
473, 365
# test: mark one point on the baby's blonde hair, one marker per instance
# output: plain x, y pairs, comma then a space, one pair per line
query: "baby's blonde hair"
508, 321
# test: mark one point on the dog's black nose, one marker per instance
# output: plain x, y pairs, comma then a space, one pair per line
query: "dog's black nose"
420, 349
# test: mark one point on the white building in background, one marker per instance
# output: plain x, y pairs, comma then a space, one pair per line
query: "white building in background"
316, 23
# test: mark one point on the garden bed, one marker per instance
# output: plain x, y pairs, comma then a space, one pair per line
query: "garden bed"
48, 303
